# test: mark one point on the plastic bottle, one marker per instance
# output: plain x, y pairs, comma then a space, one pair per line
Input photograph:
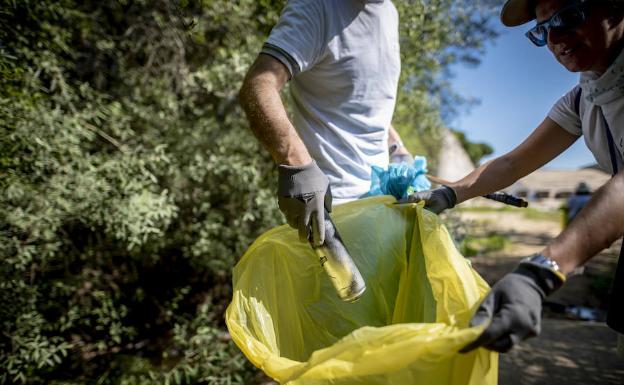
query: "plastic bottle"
339, 265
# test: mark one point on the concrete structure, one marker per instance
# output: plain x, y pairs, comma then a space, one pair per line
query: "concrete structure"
551, 188
453, 160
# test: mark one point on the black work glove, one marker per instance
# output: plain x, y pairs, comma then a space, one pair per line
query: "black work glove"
303, 194
436, 200
514, 307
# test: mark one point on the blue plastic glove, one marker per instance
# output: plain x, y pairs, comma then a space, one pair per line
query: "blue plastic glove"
400, 180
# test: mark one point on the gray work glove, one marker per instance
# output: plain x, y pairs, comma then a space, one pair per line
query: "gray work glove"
303, 194
514, 307
436, 200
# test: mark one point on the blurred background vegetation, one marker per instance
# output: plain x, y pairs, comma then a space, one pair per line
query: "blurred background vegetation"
130, 183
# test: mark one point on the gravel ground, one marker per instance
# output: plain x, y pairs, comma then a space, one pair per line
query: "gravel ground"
568, 351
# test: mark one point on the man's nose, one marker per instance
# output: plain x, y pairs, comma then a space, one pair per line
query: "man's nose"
557, 35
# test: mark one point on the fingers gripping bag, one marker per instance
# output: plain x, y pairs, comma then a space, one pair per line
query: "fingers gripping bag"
407, 327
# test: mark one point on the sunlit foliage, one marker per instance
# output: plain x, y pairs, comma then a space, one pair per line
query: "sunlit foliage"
130, 183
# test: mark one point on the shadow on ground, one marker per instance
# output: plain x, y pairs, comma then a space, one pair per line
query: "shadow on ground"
567, 351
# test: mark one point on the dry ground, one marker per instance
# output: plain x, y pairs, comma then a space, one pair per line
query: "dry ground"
568, 351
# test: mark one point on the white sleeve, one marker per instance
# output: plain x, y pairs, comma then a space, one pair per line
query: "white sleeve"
566, 112
298, 38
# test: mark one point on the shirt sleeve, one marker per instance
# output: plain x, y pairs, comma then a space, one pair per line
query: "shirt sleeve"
297, 40
566, 112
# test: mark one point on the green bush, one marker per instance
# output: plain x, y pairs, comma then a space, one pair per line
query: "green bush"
130, 184
471, 246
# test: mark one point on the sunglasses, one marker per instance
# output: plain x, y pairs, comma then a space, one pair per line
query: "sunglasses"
566, 19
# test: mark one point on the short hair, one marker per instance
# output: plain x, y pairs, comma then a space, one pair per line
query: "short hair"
615, 5
616, 9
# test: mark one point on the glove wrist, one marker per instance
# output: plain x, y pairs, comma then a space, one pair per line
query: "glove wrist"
543, 271
299, 180
449, 195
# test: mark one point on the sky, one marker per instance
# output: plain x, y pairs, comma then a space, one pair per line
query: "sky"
517, 83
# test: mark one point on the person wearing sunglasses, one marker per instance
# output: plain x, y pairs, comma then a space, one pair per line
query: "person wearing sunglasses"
585, 37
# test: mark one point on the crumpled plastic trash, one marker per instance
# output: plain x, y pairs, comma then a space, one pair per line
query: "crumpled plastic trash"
408, 326
400, 180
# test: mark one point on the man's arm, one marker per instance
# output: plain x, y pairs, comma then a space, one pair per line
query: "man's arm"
596, 227
260, 98
512, 310
303, 192
400, 154
546, 142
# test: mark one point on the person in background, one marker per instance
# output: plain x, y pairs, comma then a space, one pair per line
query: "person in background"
577, 201
586, 37
342, 60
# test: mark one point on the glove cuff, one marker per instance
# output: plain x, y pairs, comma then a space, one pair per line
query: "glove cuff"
288, 170
295, 181
450, 195
547, 278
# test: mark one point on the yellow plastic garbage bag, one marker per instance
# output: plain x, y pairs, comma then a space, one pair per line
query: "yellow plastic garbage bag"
408, 326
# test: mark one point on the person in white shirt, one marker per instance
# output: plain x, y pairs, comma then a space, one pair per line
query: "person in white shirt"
585, 36
342, 60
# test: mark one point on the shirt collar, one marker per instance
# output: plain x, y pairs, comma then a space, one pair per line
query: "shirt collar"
607, 87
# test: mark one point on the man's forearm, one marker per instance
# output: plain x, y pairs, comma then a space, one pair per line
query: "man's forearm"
598, 225
393, 136
489, 177
544, 144
269, 121
395, 139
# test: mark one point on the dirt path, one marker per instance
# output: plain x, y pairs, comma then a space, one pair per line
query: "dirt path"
568, 351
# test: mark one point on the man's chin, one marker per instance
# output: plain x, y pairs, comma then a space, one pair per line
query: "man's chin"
571, 64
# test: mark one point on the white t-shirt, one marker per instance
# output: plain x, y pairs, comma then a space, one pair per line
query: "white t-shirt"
343, 56
597, 108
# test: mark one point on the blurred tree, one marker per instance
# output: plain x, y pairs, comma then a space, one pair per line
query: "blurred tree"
475, 150
435, 35
130, 184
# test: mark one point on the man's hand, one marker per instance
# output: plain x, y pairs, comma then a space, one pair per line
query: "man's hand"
303, 195
436, 200
398, 152
405, 157
513, 308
